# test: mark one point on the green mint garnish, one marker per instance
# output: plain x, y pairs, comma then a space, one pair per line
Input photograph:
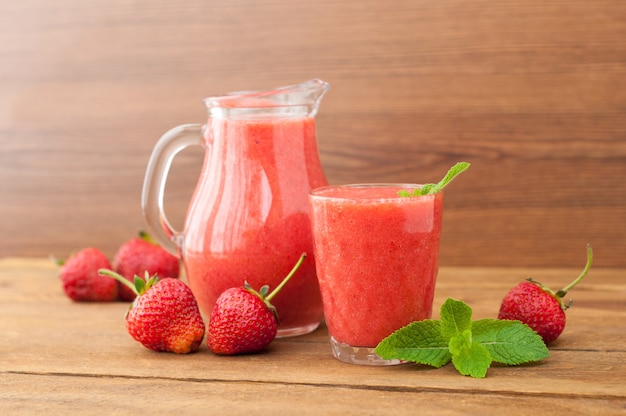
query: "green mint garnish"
432, 188
471, 345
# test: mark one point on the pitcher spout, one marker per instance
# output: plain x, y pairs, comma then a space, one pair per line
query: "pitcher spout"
294, 100
308, 93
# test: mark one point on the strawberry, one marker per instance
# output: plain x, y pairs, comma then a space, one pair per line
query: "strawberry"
79, 276
539, 307
140, 255
243, 320
164, 315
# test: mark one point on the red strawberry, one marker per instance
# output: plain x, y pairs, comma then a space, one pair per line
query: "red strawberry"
140, 255
243, 320
164, 315
80, 279
539, 307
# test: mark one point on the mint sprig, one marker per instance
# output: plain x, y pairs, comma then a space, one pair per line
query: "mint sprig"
472, 346
431, 188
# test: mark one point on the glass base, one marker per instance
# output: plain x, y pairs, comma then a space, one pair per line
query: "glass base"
359, 355
299, 330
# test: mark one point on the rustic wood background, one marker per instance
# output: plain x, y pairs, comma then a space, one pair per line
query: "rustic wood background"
532, 93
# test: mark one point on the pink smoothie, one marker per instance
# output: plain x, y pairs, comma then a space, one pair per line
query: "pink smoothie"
377, 259
249, 217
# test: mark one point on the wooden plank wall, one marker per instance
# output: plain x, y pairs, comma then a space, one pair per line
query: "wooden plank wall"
532, 92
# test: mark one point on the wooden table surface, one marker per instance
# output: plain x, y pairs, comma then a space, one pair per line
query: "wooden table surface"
59, 357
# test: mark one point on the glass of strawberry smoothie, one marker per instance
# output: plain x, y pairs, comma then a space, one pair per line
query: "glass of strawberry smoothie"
377, 261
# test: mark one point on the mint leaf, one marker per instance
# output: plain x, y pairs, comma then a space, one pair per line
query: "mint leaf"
509, 342
473, 360
431, 188
468, 357
453, 172
426, 189
460, 342
471, 345
419, 342
456, 317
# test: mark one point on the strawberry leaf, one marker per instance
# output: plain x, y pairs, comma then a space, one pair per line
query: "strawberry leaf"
140, 284
264, 291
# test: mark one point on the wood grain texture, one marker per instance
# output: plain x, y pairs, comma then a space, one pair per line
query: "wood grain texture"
79, 359
113, 395
532, 93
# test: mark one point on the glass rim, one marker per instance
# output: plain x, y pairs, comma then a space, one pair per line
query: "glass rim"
318, 192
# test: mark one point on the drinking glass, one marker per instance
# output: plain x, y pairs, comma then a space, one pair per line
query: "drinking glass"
377, 260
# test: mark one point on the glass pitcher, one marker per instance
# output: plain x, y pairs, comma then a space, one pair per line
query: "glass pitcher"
248, 219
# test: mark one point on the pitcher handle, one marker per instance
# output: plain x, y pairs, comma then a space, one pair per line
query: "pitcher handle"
166, 148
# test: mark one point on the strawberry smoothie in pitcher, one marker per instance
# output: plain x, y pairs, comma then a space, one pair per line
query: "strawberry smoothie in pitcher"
248, 219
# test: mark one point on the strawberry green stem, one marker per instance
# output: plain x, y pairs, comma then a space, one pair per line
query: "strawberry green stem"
146, 237
567, 288
286, 279
119, 278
